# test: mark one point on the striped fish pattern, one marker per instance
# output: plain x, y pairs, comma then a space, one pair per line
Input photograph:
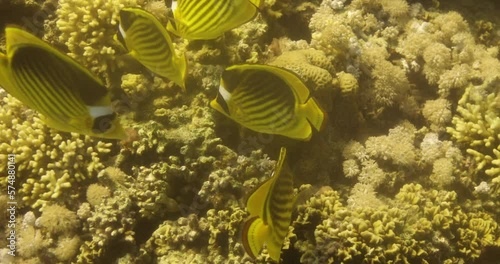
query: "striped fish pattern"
268, 99
68, 96
209, 19
270, 208
150, 44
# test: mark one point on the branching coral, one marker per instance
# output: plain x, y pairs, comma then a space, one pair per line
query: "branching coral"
477, 126
87, 30
48, 163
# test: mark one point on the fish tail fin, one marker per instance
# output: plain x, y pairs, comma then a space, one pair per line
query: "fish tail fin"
314, 114
255, 233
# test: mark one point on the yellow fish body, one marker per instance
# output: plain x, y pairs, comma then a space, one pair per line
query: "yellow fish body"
268, 99
270, 208
150, 44
209, 19
69, 97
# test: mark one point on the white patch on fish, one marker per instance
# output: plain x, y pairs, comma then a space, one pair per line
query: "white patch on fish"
224, 93
122, 32
174, 5
97, 111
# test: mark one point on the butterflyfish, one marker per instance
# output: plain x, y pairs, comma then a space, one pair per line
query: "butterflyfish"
150, 44
268, 99
209, 19
270, 207
69, 97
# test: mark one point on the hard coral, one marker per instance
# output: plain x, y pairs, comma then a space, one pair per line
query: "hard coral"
477, 126
87, 30
48, 162
421, 226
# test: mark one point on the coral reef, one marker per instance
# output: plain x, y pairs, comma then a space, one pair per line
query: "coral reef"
417, 226
406, 169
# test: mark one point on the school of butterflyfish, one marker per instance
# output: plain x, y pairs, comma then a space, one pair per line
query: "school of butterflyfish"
263, 98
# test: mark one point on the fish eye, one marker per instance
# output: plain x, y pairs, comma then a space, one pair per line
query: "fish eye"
103, 123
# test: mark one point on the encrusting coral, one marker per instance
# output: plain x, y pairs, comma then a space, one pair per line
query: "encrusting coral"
418, 226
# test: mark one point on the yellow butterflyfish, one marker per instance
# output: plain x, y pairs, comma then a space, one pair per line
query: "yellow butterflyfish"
69, 96
268, 99
270, 207
209, 19
150, 44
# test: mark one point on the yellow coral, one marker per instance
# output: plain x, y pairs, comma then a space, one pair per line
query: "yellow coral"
48, 163
57, 219
437, 113
477, 125
87, 29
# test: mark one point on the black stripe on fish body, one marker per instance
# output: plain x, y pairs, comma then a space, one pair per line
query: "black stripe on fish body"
274, 86
259, 98
277, 218
32, 73
103, 123
65, 98
79, 83
203, 14
256, 104
222, 7
256, 93
276, 120
190, 7
281, 199
280, 230
26, 85
57, 83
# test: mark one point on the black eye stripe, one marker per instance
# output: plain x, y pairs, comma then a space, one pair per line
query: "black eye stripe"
103, 123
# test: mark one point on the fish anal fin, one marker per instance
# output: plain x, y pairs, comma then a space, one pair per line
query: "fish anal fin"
255, 234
